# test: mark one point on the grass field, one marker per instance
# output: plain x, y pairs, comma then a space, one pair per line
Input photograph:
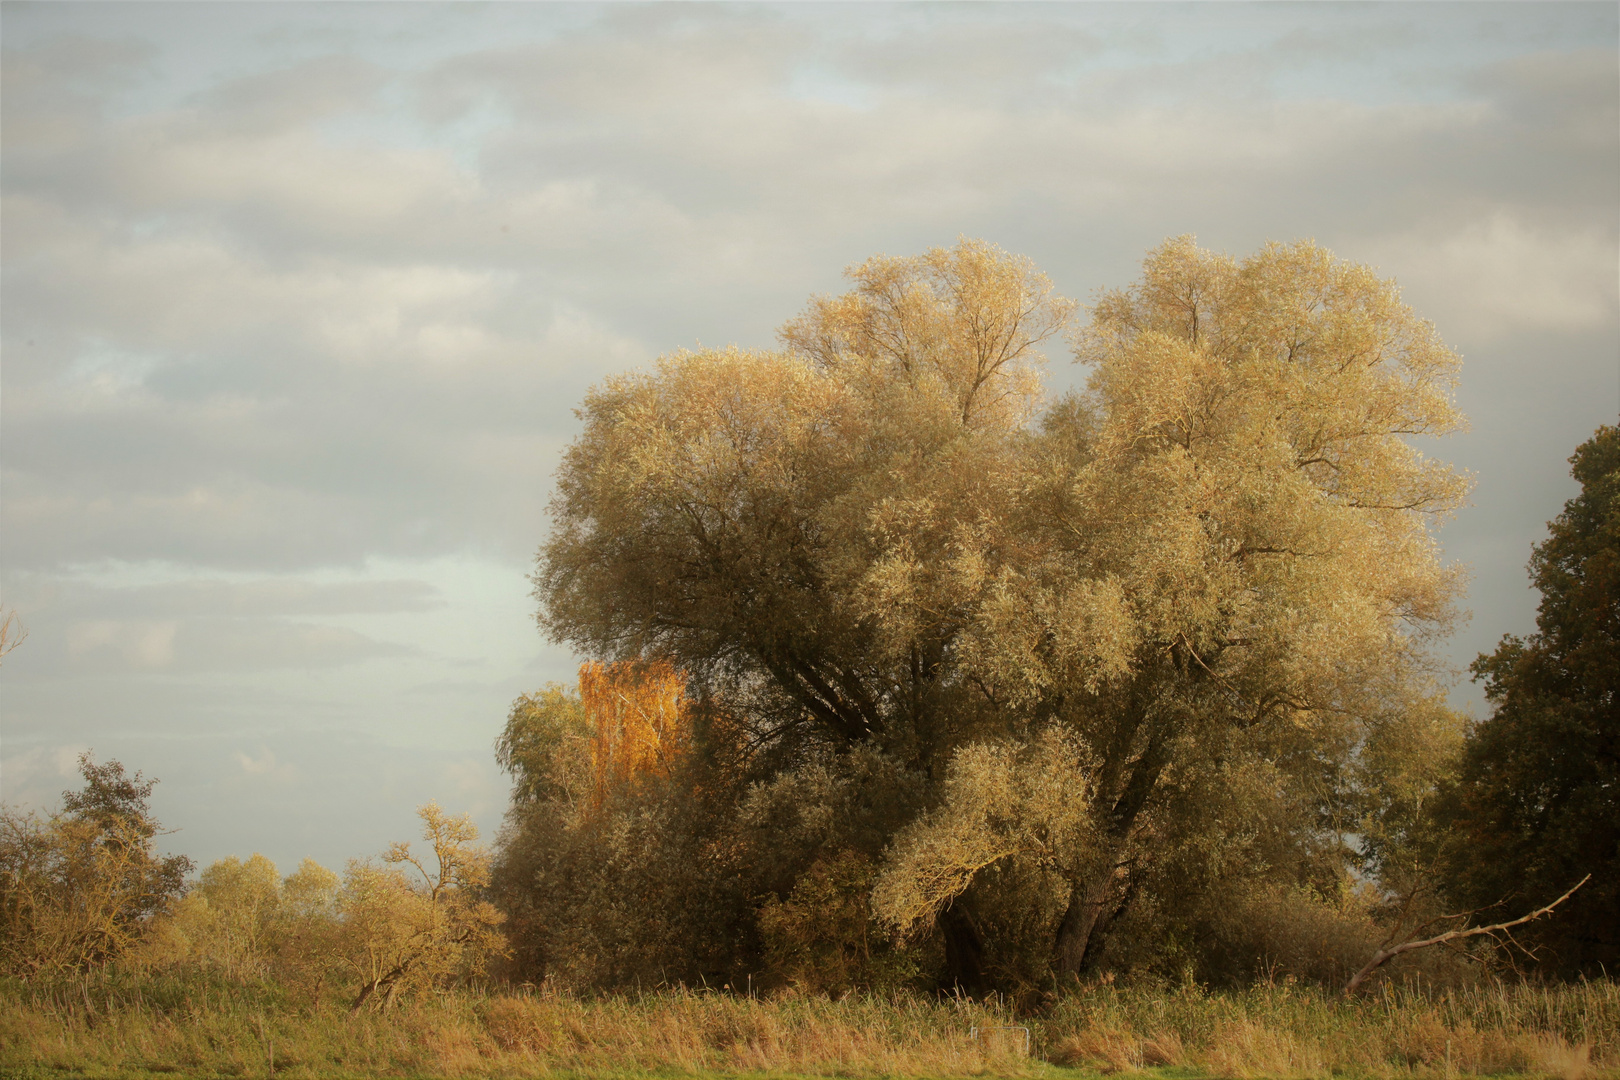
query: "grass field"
112, 1029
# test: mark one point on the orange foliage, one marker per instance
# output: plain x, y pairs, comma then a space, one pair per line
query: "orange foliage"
638, 714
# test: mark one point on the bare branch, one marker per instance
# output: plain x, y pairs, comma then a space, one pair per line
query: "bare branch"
12, 631
1384, 956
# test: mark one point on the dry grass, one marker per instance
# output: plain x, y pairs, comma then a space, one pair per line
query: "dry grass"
1568, 1032
467, 1034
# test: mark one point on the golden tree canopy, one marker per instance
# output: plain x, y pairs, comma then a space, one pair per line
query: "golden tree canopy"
1214, 571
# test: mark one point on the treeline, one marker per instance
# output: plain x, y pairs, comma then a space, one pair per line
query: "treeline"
908, 678
83, 890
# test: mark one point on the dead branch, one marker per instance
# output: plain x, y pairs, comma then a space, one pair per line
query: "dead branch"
12, 631
1385, 955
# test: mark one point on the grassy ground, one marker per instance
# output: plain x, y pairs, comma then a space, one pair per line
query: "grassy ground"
112, 1030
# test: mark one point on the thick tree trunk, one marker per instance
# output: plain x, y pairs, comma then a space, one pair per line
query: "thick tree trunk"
365, 992
1094, 904
389, 982
1097, 898
1073, 947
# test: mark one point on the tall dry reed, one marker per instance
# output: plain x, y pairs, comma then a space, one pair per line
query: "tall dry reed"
1286, 1030
107, 1028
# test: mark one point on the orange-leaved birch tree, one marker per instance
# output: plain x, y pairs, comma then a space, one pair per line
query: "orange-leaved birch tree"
637, 713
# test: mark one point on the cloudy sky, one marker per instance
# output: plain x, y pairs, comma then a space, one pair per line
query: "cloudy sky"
298, 299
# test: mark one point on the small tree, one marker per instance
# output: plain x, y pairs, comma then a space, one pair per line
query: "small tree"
308, 937
230, 916
79, 887
243, 922
403, 932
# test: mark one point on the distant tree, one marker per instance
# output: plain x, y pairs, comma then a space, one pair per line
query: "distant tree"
1537, 805
242, 922
234, 907
81, 886
308, 938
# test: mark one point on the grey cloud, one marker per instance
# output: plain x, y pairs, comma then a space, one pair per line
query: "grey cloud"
235, 522
173, 646
67, 647
982, 58
724, 153
283, 322
261, 599
322, 349
297, 96
1549, 143
1569, 92
189, 626
268, 418
75, 71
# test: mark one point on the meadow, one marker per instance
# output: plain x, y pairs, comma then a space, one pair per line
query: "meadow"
108, 1027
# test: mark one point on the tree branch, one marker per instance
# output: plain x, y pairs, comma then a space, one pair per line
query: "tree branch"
1384, 956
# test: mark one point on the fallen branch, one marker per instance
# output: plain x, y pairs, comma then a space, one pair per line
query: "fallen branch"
1385, 955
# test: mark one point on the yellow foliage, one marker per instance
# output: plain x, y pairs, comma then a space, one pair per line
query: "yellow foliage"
402, 933
229, 917
80, 888
821, 937
1214, 573
965, 322
245, 923
637, 713
70, 890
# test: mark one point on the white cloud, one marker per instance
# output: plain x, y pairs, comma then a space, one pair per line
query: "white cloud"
27, 778
123, 642
1501, 274
266, 765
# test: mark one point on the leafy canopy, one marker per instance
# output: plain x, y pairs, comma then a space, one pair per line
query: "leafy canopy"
1135, 645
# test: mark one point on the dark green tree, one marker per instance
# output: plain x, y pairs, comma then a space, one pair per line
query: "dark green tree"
1537, 805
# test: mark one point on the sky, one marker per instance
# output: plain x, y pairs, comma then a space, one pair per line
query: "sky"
298, 299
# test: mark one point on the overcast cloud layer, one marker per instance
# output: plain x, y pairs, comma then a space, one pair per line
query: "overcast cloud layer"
298, 300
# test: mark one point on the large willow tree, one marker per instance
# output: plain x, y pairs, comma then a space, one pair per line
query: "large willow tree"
1131, 641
